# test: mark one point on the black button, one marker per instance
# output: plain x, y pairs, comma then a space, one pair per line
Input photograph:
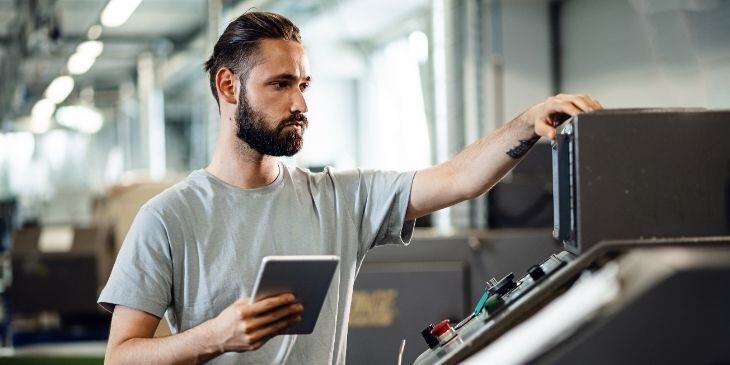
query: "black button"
431, 339
505, 285
536, 272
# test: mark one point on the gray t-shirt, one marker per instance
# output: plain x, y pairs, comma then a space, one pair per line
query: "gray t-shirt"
196, 248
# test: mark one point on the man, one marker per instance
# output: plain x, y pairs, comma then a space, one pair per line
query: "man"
193, 251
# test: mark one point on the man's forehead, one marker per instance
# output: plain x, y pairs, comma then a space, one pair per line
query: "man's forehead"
283, 57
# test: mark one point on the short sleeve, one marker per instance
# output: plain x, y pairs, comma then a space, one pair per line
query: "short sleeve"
379, 202
142, 274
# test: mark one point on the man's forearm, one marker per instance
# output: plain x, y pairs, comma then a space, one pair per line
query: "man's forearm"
485, 162
189, 347
472, 171
480, 166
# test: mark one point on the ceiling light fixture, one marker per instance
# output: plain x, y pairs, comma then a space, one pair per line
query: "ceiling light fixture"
85, 56
40, 116
117, 12
94, 32
418, 42
90, 48
79, 63
80, 118
59, 89
43, 108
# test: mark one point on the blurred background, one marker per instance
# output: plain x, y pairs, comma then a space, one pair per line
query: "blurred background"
104, 103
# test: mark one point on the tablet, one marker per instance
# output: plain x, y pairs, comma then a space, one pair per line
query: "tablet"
308, 277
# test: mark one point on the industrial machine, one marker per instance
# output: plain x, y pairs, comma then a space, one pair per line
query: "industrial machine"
56, 275
642, 208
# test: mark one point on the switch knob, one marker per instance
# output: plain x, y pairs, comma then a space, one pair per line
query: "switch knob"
505, 285
431, 339
441, 328
536, 272
493, 303
443, 332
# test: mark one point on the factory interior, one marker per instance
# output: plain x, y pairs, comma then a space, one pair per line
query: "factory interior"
606, 241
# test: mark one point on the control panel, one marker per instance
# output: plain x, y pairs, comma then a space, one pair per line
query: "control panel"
499, 296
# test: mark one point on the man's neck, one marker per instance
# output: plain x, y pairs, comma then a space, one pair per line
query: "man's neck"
239, 165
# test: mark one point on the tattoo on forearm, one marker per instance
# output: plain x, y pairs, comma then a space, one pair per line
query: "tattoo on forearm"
523, 147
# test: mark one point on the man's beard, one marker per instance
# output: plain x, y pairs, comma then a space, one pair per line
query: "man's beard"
253, 130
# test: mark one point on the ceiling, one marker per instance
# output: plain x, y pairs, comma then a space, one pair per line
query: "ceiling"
38, 36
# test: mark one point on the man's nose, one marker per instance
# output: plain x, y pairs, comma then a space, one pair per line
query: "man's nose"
299, 104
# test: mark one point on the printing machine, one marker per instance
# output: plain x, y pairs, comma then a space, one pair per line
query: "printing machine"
642, 208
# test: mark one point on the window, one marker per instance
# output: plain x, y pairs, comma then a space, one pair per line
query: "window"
394, 128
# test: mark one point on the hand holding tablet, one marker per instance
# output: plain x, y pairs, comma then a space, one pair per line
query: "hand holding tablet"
246, 326
307, 277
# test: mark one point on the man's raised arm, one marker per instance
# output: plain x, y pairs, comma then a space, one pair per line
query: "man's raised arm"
481, 165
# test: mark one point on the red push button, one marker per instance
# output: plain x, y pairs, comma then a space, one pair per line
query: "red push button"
441, 328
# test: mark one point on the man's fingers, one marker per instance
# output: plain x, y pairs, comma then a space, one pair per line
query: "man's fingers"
264, 333
600, 106
560, 104
594, 104
559, 108
583, 102
567, 107
273, 316
544, 130
267, 304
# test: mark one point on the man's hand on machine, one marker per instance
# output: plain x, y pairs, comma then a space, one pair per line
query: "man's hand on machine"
544, 117
246, 326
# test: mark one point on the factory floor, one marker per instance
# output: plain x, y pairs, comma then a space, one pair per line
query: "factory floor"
86, 353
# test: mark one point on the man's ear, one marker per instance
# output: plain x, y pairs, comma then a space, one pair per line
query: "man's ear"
225, 83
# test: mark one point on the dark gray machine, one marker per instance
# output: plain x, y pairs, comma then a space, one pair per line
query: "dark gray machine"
640, 174
642, 207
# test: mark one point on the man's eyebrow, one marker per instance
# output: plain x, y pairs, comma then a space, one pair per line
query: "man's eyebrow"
286, 76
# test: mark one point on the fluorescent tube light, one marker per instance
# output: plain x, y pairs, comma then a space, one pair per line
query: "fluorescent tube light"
117, 12
59, 89
79, 63
90, 48
419, 45
40, 116
43, 108
94, 32
80, 118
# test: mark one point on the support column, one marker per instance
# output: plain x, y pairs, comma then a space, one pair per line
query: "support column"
152, 118
215, 20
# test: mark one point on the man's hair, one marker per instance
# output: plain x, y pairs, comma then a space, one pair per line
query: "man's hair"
236, 48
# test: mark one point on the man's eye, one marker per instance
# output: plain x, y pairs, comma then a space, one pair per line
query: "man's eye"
281, 84
304, 86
